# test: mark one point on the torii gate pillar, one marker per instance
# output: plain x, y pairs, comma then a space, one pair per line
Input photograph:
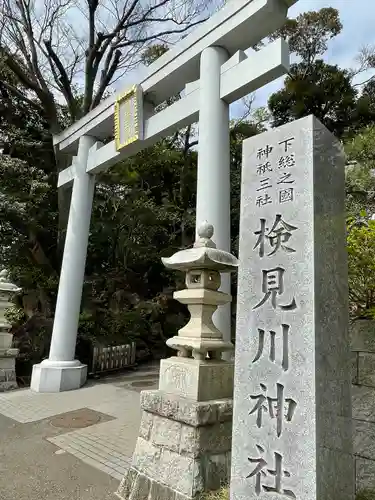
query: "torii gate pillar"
213, 183
61, 372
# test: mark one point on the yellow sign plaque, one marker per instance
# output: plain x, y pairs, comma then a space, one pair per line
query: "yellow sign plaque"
129, 117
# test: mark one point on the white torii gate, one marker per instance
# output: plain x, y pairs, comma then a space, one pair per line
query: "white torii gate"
212, 59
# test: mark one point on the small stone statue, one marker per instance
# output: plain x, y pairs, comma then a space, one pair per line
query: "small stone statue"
7, 353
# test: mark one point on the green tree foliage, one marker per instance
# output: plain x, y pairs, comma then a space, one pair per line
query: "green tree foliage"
364, 114
360, 175
309, 33
361, 148
28, 197
153, 52
137, 213
28, 214
144, 208
317, 88
366, 494
360, 202
240, 130
361, 251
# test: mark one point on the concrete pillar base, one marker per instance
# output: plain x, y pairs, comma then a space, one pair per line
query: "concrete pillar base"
58, 376
8, 380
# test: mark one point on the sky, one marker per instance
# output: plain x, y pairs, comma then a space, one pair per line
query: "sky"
357, 17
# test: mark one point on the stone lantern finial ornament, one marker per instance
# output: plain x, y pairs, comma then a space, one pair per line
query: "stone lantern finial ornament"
205, 233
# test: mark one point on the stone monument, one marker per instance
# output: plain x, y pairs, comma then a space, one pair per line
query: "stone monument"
7, 353
184, 440
292, 434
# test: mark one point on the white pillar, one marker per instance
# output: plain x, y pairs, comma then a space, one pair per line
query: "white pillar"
213, 184
61, 372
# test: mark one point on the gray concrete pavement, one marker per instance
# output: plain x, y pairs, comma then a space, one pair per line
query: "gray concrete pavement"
30, 468
74, 445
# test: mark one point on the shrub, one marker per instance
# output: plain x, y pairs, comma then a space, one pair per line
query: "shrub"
223, 494
365, 495
361, 251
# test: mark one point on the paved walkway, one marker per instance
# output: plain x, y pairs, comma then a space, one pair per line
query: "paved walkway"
71, 445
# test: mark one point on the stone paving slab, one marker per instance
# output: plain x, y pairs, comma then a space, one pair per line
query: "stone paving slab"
32, 468
26, 406
105, 396
108, 445
120, 405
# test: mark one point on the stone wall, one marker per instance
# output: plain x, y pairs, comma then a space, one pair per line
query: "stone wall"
363, 396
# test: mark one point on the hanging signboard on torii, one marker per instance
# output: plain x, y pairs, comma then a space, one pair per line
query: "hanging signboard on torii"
211, 70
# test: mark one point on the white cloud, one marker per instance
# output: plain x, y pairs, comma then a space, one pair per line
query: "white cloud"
357, 17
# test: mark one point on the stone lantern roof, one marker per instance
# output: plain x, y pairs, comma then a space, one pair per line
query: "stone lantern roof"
5, 285
203, 255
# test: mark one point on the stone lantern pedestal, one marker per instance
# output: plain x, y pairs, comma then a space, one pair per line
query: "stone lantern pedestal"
7, 353
184, 443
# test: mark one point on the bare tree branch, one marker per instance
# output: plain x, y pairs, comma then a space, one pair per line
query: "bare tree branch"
70, 45
18, 71
63, 79
247, 103
158, 36
359, 84
365, 60
28, 28
21, 96
107, 77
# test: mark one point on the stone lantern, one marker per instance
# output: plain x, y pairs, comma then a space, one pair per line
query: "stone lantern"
7, 353
200, 339
184, 443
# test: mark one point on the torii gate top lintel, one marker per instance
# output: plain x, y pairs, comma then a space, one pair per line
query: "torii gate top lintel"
237, 26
